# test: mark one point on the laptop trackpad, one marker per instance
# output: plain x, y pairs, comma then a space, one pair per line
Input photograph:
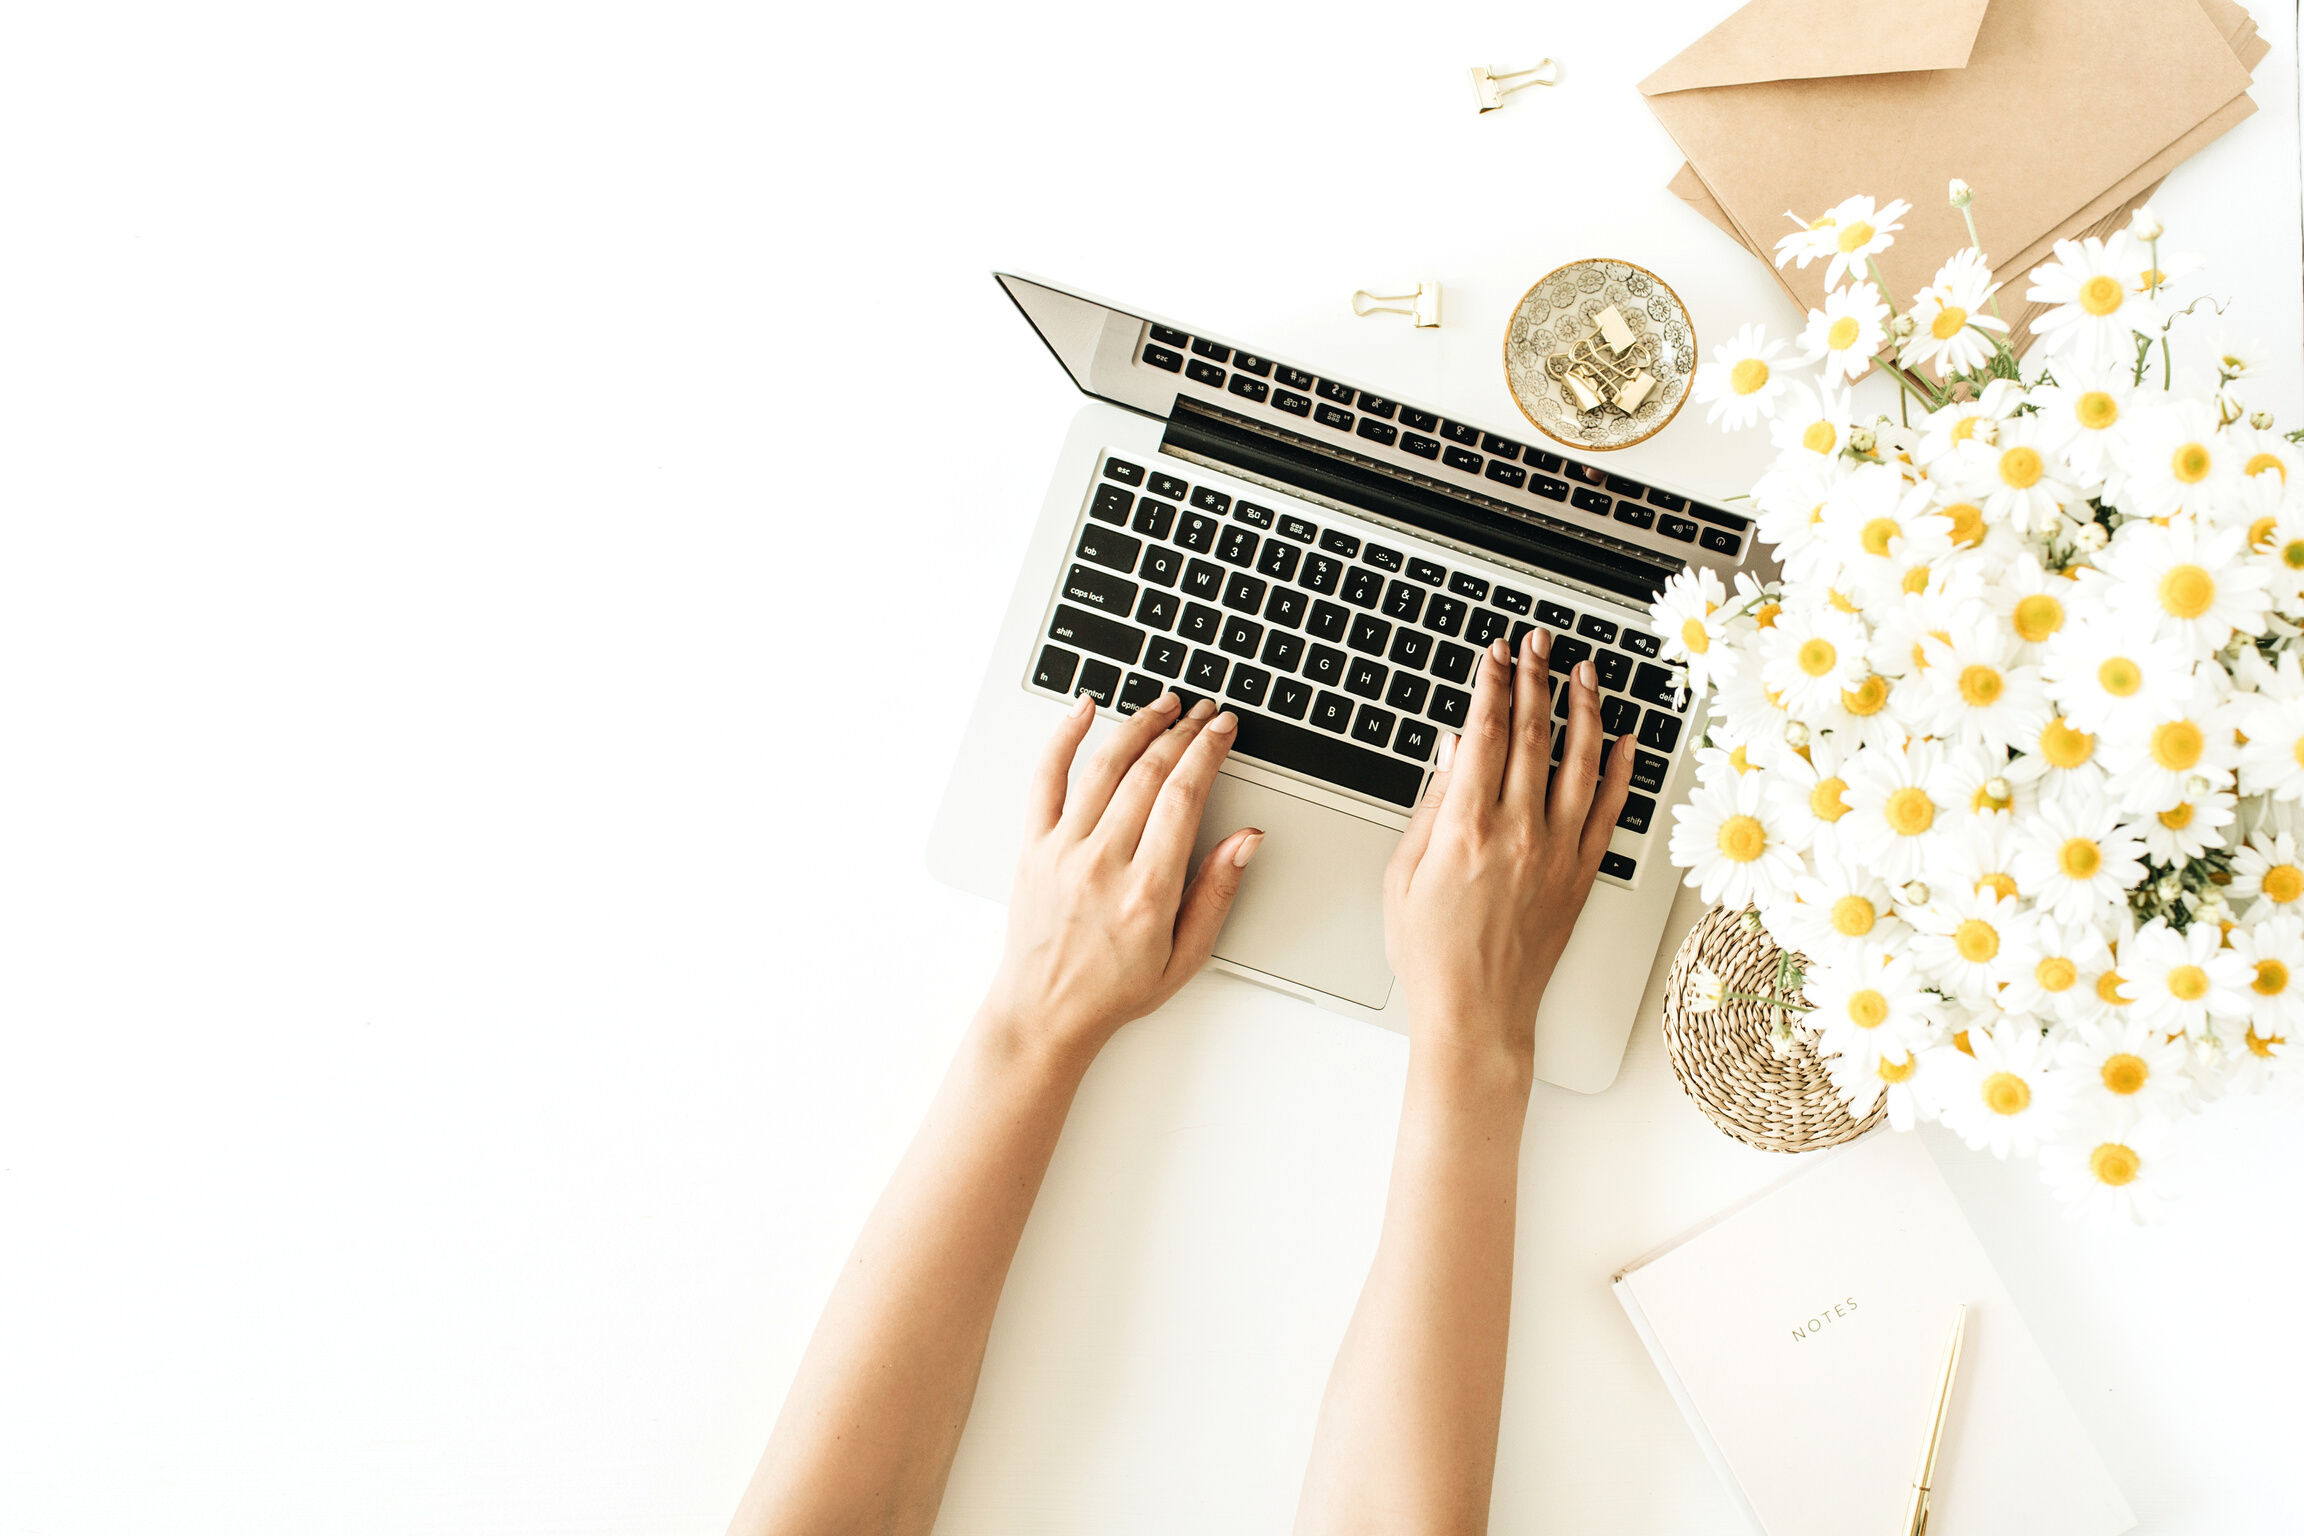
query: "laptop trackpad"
1311, 909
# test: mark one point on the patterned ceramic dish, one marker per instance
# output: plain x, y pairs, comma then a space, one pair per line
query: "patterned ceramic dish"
1561, 314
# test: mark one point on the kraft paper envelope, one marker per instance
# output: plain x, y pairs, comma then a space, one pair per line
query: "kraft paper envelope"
2062, 114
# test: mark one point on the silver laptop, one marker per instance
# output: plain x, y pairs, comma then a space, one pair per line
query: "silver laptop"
1327, 561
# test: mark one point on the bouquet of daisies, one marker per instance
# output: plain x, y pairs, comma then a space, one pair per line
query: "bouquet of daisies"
2013, 749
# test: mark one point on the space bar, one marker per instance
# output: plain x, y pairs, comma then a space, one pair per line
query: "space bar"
1331, 761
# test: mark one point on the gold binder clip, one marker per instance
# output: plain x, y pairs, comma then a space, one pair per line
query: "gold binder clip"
1424, 302
1607, 369
1489, 89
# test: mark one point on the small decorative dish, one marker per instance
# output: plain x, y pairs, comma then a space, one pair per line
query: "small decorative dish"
1599, 354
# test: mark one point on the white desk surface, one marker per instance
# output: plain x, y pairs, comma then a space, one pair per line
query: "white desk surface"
505, 511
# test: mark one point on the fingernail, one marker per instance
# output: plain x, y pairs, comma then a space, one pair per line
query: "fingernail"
1247, 849
1584, 673
1166, 702
1502, 652
1447, 753
1083, 704
1202, 710
1224, 724
1543, 639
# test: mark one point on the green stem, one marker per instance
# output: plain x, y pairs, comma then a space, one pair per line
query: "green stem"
1874, 268
1969, 214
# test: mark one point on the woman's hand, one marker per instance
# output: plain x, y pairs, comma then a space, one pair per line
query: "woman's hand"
1103, 926
1487, 881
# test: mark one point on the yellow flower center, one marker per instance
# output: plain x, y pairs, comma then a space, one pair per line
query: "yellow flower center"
2178, 819
2261, 1045
1855, 237
2297, 751
1696, 637
1827, 801
2020, 468
1820, 437
1742, 838
2119, 676
2096, 410
2101, 295
2080, 858
2065, 747
2187, 983
2284, 883
2271, 979
2266, 461
1909, 812
2176, 746
1876, 535
1948, 322
1842, 336
1915, 579
1853, 916
1980, 686
1817, 656
2114, 1164
2007, 1094
2292, 554
1977, 940
2037, 617
2108, 989
1867, 1009
1998, 885
1964, 428
1738, 761
2125, 1074
1748, 375
1868, 697
1967, 523
2056, 974
1839, 600
1898, 1071
2260, 531
2187, 591
2190, 463
1764, 616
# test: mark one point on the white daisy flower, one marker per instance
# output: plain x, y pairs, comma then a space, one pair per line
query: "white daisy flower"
2057, 760
1968, 937
2265, 456
1979, 853
1902, 628
2272, 516
1948, 317
1978, 693
1893, 807
1740, 382
2166, 764
1845, 335
2267, 871
1836, 911
2111, 679
1732, 854
2183, 831
2020, 477
1810, 797
1909, 1085
1810, 240
2072, 859
2067, 959
1872, 518
2111, 1177
2273, 951
2176, 459
1946, 429
1790, 500
1868, 1005
1976, 779
1811, 425
1860, 231
2124, 1070
2004, 1095
1864, 718
2096, 311
2272, 718
1690, 616
2032, 601
2184, 982
2081, 414
1750, 715
2186, 581
1810, 656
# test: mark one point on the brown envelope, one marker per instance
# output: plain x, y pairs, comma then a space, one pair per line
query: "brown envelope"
2062, 114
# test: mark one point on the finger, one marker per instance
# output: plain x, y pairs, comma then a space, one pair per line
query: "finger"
1165, 851
1044, 804
1477, 776
1092, 788
1608, 802
1400, 869
1579, 757
1207, 902
1122, 824
1531, 758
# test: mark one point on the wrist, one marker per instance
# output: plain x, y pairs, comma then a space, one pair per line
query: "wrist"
1014, 1043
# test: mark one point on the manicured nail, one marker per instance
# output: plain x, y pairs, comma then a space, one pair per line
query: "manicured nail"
1224, 724
1083, 704
1584, 673
1247, 849
1543, 639
1447, 753
1166, 702
1502, 652
1202, 710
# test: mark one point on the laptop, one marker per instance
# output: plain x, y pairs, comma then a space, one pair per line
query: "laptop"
1326, 561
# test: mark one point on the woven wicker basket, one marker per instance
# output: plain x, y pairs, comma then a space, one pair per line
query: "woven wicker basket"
1723, 1060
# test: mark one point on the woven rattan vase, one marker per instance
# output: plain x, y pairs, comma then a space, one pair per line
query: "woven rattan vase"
1723, 1060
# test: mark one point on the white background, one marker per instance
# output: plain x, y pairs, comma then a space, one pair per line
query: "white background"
504, 511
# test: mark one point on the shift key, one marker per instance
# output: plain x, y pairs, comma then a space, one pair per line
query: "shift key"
1109, 594
1092, 632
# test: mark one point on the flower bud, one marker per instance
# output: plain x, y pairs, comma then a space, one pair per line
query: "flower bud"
1986, 431
2091, 536
1997, 791
2145, 224
1901, 328
1861, 440
1795, 734
1962, 193
2229, 408
1914, 893
2232, 365
2260, 420
2196, 786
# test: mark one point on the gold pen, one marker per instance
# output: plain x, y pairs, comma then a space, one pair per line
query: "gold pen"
1916, 1512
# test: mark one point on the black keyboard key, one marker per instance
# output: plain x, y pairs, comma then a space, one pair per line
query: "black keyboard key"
1375, 431
1294, 378
1296, 528
1170, 487
1502, 447
1328, 621
1487, 625
1462, 459
1291, 698
1637, 643
1507, 474
1519, 633
1200, 624
1321, 574
1157, 609
1561, 694
1618, 715
1111, 504
1253, 515
1205, 373
1633, 513
1245, 363
1445, 616
1465, 584
1618, 865
1241, 637
1718, 540
1101, 591
1325, 666
1422, 421
1123, 471
1420, 445
1544, 460
1055, 670
1659, 731
1294, 404
1197, 533
1459, 432
1594, 627
1718, 518
1426, 572
1373, 726
1279, 560
1637, 810
1249, 389
1380, 557
1676, 528
1203, 580
1588, 473
1286, 606
1403, 602
1331, 416
1237, 546
1547, 487
1555, 616
1614, 669
1453, 662
1366, 678
1332, 712
1170, 335
1416, 739
1374, 406
1153, 518
1624, 487
1653, 685
1248, 685
1165, 655
1567, 650
1113, 551
1161, 357
1407, 692
1648, 771
1213, 352
1162, 565
1283, 650
1094, 632
1100, 680
1667, 500
1336, 542
1374, 774
1369, 634
1584, 499
1138, 691
1449, 706
1363, 588
1411, 648
1509, 600
1331, 390
1214, 503
1206, 670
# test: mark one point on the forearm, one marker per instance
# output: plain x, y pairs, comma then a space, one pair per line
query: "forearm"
1407, 1435
868, 1432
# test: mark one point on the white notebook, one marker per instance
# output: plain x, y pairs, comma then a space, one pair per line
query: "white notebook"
1803, 1334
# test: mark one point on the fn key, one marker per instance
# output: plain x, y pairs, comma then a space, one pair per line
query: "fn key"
1618, 865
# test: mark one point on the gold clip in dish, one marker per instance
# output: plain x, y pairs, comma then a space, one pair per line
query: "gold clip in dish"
1608, 368
1489, 89
1424, 304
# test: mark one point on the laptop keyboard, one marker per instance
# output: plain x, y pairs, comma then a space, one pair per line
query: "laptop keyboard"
1343, 648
